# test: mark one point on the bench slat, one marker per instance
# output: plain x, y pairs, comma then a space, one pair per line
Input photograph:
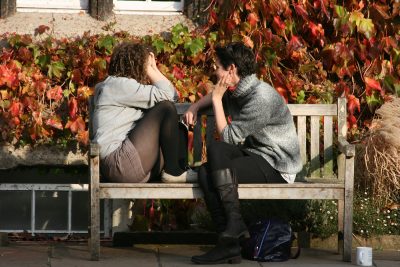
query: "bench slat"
328, 146
313, 109
314, 153
187, 185
323, 191
302, 136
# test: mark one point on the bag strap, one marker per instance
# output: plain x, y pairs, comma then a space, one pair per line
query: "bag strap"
297, 254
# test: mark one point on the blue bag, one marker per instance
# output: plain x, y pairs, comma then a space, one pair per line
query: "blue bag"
270, 240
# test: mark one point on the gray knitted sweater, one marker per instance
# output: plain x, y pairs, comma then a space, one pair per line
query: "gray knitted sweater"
262, 122
119, 105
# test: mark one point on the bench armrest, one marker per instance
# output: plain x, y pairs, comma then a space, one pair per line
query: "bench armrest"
346, 148
94, 149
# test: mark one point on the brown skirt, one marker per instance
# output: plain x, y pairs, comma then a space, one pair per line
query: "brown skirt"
124, 165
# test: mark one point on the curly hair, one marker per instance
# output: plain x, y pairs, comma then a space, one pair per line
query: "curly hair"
129, 60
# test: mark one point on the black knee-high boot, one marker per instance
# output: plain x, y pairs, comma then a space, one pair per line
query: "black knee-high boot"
212, 200
226, 184
227, 249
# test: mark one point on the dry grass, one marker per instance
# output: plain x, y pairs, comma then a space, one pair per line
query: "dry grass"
381, 155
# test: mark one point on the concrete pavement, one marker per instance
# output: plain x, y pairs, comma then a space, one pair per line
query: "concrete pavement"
77, 255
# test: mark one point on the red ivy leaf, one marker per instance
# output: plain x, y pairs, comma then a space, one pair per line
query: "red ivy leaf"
15, 108
9, 75
73, 107
55, 93
301, 11
41, 29
278, 24
83, 137
342, 88
372, 84
55, 122
252, 19
24, 54
248, 42
352, 121
178, 73
77, 77
75, 125
283, 92
84, 92
353, 103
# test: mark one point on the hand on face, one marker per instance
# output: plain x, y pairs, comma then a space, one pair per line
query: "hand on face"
222, 85
151, 62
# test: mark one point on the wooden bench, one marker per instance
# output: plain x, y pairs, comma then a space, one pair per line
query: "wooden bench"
317, 125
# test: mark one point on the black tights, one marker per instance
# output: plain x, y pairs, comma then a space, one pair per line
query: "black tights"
159, 130
221, 155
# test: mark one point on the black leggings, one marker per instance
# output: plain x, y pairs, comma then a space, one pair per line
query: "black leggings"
159, 131
248, 169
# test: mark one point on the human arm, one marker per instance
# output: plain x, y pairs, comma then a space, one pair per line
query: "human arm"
217, 94
154, 74
191, 114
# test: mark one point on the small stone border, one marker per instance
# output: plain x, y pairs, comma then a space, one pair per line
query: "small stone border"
11, 157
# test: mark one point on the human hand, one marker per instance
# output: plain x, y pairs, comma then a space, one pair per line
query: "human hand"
190, 116
221, 87
152, 61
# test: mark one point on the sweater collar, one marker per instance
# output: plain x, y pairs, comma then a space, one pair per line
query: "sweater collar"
245, 86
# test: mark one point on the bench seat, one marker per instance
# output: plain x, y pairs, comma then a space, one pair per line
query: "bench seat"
298, 190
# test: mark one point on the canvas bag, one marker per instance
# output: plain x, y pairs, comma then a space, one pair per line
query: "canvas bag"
270, 240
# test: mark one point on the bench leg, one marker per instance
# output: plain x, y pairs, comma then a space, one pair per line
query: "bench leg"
340, 208
94, 209
348, 208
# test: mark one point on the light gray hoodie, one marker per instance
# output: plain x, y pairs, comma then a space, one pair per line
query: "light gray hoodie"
262, 122
119, 104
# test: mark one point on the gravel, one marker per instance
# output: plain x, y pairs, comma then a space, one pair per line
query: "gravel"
71, 25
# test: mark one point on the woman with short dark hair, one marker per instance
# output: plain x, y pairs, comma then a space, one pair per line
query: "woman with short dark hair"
258, 145
135, 121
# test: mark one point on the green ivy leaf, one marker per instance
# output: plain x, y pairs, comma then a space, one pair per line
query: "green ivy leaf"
179, 29
356, 17
56, 69
340, 11
301, 97
35, 52
107, 42
158, 44
4, 104
195, 46
43, 60
367, 27
373, 101
212, 37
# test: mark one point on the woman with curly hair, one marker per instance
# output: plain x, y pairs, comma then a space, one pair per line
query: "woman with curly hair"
135, 121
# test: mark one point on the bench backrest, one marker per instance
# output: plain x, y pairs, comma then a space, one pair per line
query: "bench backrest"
318, 128
317, 125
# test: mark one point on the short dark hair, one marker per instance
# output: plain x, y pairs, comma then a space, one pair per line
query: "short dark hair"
129, 60
240, 55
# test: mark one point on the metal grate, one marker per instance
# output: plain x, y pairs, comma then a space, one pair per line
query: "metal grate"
55, 188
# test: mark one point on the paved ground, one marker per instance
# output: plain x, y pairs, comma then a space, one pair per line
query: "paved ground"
77, 255
71, 25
